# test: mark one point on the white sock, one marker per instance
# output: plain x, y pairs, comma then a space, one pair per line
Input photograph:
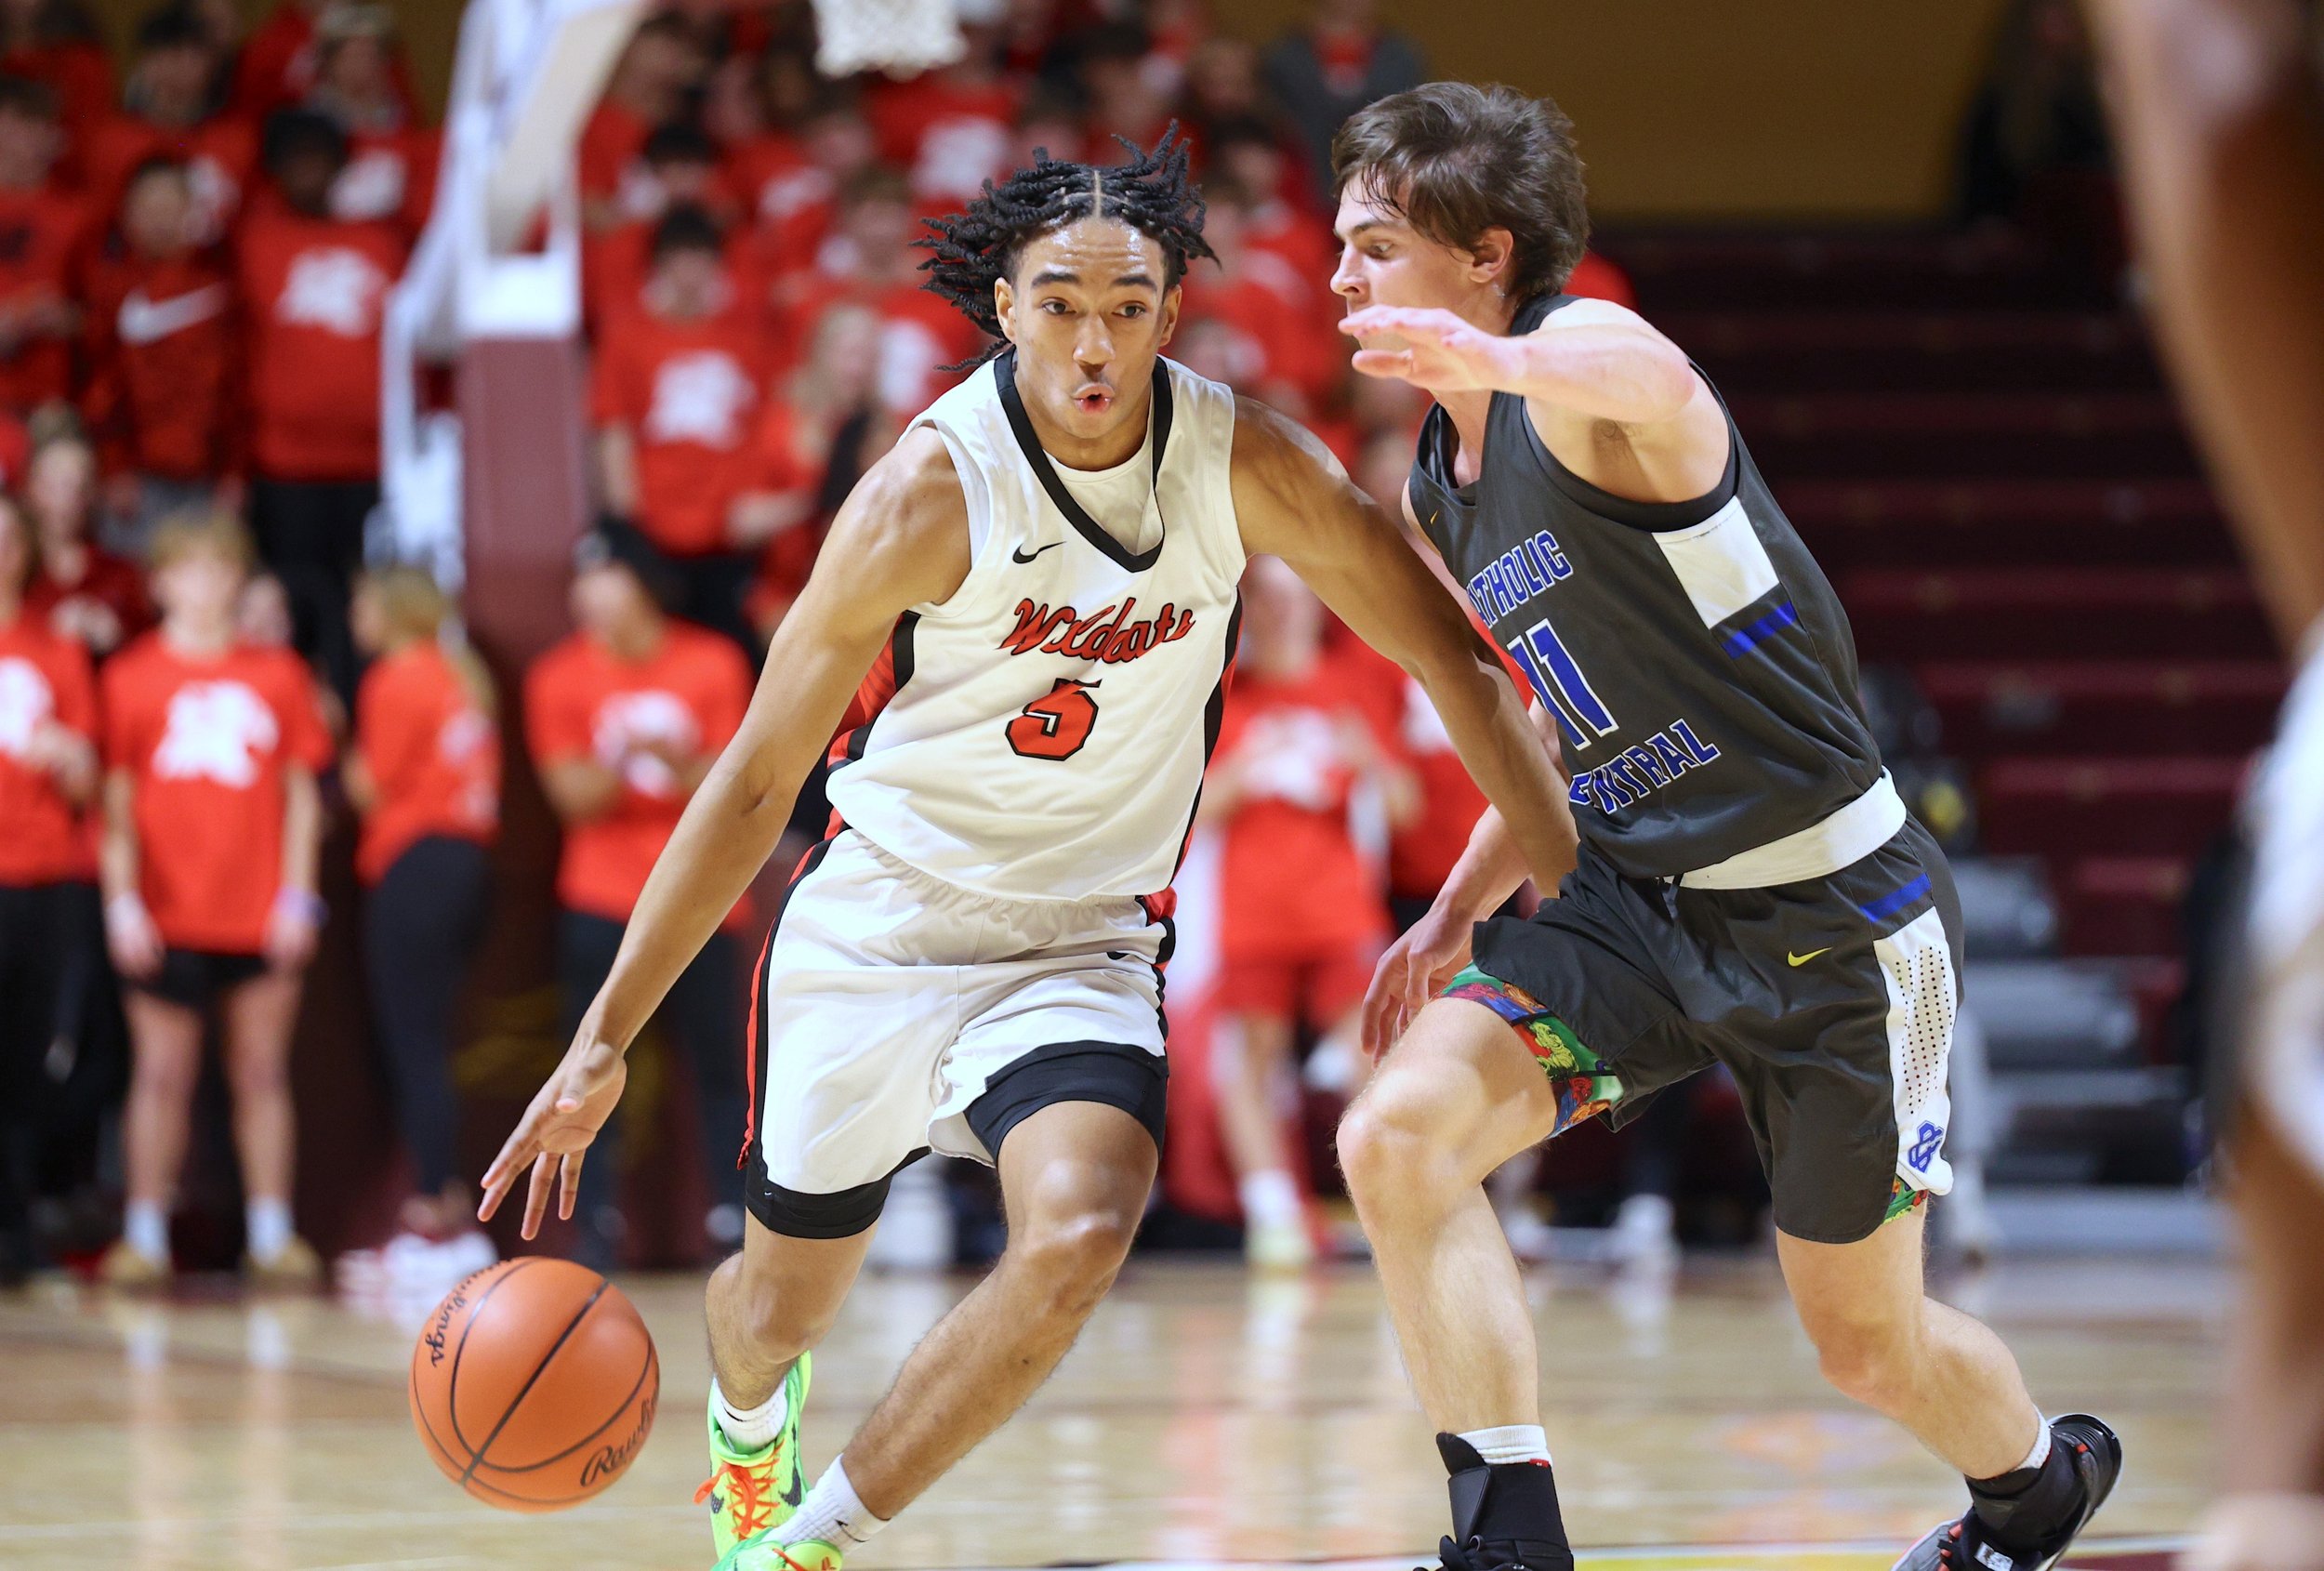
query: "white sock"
145, 1228
2040, 1452
831, 1514
749, 1428
1509, 1443
1271, 1199
266, 1227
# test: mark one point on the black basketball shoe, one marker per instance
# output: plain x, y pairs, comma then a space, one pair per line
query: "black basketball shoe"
2030, 1531
1504, 1518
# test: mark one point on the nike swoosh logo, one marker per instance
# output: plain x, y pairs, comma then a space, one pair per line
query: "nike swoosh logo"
1803, 959
1021, 556
143, 321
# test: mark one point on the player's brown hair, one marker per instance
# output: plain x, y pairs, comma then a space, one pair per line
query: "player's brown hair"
1456, 159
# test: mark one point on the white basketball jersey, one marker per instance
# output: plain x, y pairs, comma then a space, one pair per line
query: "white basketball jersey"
1042, 733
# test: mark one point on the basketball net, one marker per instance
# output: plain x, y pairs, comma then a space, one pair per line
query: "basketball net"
900, 37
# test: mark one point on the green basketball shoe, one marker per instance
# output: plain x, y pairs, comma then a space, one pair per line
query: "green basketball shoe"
751, 1492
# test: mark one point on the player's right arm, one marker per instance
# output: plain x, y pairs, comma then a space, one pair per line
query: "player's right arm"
900, 540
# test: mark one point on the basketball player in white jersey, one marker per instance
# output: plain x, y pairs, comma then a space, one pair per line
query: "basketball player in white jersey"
2217, 105
1041, 580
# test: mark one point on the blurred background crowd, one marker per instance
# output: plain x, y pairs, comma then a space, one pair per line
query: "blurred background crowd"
232, 742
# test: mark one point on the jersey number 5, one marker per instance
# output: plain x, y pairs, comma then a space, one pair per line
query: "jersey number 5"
1057, 723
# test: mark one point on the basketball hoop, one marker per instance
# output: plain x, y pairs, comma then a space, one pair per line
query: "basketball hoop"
900, 37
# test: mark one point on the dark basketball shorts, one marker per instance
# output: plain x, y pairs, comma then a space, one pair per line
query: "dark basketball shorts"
1831, 1002
198, 978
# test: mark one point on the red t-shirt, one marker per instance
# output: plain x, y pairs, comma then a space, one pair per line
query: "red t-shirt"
163, 348
786, 198
433, 757
787, 467
42, 235
580, 702
689, 391
1598, 279
1292, 882
221, 156
77, 70
312, 291
919, 334
389, 177
609, 157
948, 137
43, 678
110, 581
277, 63
209, 745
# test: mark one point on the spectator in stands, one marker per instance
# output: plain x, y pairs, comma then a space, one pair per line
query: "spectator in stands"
681, 169
390, 170
817, 437
1326, 71
48, 776
1282, 319
624, 718
264, 619
162, 354
85, 592
795, 201
168, 110
281, 61
41, 232
201, 729
1302, 918
677, 389
651, 85
1127, 95
868, 260
1221, 87
1244, 152
425, 774
56, 43
313, 287
948, 129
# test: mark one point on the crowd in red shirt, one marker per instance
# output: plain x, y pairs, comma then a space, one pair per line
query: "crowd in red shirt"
196, 246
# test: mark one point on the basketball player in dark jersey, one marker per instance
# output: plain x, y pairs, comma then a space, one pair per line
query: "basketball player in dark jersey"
1749, 888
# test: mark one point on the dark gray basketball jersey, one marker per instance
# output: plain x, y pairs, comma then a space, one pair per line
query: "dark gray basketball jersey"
1700, 668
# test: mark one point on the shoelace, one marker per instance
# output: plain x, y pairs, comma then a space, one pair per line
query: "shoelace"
751, 1506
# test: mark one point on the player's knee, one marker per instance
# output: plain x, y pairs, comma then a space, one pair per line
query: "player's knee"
1387, 1151
1074, 1252
1874, 1362
257, 1075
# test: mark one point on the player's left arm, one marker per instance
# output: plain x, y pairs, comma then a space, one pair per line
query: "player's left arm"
1613, 398
1294, 501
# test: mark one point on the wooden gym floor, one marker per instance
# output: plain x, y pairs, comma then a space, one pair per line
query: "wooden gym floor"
1205, 1417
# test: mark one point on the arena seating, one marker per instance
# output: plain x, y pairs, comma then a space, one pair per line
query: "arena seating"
1978, 443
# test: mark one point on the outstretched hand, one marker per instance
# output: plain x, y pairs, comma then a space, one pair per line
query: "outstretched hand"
555, 1132
1431, 348
1415, 970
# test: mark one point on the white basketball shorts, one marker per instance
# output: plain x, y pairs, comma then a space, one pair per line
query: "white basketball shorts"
894, 1014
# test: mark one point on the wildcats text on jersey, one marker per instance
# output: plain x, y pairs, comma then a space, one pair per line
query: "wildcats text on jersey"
1106, 634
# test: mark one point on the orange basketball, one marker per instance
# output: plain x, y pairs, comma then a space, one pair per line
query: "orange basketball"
534, 1384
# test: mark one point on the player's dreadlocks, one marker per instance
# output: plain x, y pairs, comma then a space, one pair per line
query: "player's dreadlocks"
1151, 193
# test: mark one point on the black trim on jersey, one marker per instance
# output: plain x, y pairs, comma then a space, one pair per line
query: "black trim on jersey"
900, 668
1213, 716
1021, 425
748, 1159
1437, 437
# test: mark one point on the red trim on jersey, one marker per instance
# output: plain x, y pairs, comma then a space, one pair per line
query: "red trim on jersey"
754, 1038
